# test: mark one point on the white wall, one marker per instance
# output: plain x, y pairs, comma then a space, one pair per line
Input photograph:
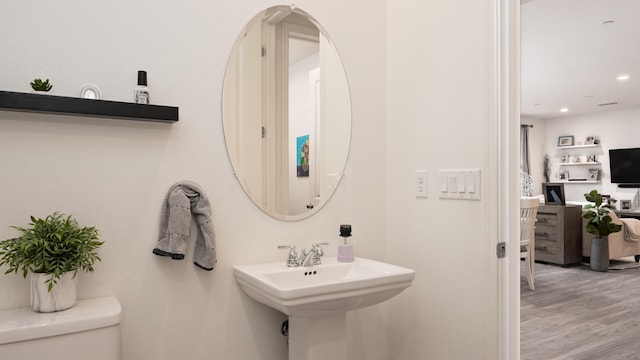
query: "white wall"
615, 128
114, 174
438, 119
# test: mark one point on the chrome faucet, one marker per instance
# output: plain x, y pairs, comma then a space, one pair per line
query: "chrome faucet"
313, 256
306, 259
292, 260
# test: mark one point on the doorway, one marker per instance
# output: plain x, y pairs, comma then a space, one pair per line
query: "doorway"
567, 71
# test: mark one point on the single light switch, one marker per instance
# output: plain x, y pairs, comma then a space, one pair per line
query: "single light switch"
444, 182
453, 186
460, 181
471, 184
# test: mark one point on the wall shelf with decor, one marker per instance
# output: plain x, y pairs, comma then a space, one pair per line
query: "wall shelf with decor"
580, 163
62, 105
578, 147
581, 182
578, 157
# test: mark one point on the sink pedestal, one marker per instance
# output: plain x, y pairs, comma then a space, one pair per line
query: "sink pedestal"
317, 298
318, 338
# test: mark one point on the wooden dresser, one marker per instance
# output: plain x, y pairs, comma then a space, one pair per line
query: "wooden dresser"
559, 234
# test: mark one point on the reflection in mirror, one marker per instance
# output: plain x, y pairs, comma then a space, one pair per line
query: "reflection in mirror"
287, 113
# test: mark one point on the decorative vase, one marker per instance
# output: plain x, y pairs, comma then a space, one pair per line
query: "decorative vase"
62, 296
599, 254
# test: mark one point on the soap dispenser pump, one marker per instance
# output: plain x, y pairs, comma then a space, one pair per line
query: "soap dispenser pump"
345, 252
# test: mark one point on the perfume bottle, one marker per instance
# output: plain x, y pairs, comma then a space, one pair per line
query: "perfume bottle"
141, 92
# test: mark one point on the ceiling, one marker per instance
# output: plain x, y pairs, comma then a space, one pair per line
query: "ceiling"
571, 58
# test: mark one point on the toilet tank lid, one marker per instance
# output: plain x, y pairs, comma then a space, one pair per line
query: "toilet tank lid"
25, 324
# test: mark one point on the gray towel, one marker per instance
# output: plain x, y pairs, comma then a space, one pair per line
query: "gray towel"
184, 199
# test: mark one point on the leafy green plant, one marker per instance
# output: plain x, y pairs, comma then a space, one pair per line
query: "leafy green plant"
53, 245
39, 85
599, 222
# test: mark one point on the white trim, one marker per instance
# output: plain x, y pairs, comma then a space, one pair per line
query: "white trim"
506, 82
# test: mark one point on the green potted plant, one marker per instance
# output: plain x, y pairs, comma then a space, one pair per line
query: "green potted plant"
600, 224
41, 86
52, 250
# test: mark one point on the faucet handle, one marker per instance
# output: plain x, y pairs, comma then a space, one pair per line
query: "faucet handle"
320, 244
318, 248
292, 260
318, 252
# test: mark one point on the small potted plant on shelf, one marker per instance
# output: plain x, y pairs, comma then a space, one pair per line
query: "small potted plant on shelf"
52, 250
41, 86
600, 224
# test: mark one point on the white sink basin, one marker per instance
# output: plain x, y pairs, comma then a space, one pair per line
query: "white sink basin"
330, 288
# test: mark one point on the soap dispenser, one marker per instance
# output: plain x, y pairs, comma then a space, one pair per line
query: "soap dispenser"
345, 252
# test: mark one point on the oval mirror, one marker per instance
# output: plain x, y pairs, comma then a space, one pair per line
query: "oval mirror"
286, 113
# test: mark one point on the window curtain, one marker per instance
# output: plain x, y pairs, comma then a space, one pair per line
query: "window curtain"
526, 182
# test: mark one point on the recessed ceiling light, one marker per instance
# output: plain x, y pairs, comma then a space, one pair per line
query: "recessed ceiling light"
564, 110
623, 77
607, 22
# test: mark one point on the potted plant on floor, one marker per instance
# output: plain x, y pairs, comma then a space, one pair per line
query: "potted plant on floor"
52, 250
600, 224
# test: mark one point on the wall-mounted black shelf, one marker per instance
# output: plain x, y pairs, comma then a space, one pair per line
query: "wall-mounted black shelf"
51, 104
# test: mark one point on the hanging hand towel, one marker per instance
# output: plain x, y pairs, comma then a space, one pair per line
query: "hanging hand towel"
185, 199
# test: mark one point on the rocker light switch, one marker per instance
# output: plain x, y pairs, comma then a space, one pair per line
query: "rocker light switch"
444, 182
453, 186
471, 184
460, 181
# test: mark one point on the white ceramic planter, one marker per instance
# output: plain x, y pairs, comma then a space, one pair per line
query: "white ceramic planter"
61, 297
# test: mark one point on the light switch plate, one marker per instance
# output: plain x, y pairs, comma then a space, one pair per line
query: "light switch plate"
459, 184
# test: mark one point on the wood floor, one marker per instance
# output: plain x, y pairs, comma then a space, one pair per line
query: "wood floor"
576, 313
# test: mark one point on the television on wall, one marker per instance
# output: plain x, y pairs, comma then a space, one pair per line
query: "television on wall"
625, 167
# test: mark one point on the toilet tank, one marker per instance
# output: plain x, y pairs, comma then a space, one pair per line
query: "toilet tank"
88, 330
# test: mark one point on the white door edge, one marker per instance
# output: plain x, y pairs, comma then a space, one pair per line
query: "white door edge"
506, 82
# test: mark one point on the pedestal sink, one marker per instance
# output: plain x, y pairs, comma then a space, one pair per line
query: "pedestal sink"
317, 298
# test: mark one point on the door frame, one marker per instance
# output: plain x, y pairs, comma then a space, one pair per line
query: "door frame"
506, 110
